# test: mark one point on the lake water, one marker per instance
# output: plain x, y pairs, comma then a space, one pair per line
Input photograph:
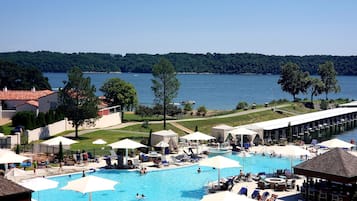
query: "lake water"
214, 91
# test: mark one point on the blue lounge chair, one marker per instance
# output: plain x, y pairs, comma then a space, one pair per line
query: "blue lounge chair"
265, 195
243, 191
255, 194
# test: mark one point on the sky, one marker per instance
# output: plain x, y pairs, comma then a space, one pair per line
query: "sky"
272, 27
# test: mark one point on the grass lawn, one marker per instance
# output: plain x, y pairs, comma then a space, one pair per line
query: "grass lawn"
206, 125
110, 136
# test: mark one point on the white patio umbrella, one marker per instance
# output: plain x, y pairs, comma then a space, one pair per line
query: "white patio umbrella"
197, 136
15, 172
243, 155
99, 141
39, 184
219, 162
90, 184
7, 156
225, 196
336, 143
126, 144
56, 140
242, 131
291, 151
163, 145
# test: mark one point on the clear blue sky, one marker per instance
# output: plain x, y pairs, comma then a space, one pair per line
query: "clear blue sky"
274, 27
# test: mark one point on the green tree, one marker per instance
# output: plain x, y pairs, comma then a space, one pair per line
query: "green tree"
316, 87
78, 101
328, 77
13, 76
165, 85
119, 92
292, 79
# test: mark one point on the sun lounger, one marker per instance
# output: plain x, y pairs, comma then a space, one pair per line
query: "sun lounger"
265, 196
243, 191
255, 194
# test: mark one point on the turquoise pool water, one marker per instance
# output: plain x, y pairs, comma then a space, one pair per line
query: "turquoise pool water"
180, 184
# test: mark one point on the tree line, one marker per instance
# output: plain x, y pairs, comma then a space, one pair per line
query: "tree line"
236, 63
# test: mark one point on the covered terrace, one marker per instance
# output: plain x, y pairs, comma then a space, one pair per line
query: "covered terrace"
330, 176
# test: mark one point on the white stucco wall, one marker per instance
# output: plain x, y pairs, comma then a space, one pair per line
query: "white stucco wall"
64, 125
46, 102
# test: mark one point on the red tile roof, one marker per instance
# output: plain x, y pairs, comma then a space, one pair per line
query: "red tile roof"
33, 103
23, 94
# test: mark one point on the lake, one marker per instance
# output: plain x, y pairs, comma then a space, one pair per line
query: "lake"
214, 91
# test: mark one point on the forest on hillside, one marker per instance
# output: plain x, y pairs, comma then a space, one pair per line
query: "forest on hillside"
237, 63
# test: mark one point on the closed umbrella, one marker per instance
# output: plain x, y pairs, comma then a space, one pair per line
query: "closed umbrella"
39, 184
219, 162
90, 184
126, 144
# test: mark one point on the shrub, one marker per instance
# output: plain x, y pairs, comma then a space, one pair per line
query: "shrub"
324, 105
201, 111
241, 105
187, 108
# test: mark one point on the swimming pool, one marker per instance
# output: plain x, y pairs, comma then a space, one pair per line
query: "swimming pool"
179, 184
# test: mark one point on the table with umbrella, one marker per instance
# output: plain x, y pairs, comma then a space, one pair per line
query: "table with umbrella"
243, 155
219, 162
197, 136
90, 184
56, 140
99, 142
126, 144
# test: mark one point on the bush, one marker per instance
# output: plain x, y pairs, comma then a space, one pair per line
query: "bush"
201, 111
144, 111
25, 118
241, 105
187, 108
324, 105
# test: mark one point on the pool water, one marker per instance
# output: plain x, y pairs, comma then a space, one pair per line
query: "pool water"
179, 184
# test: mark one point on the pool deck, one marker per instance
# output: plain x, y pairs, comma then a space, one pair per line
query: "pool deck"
291, 194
